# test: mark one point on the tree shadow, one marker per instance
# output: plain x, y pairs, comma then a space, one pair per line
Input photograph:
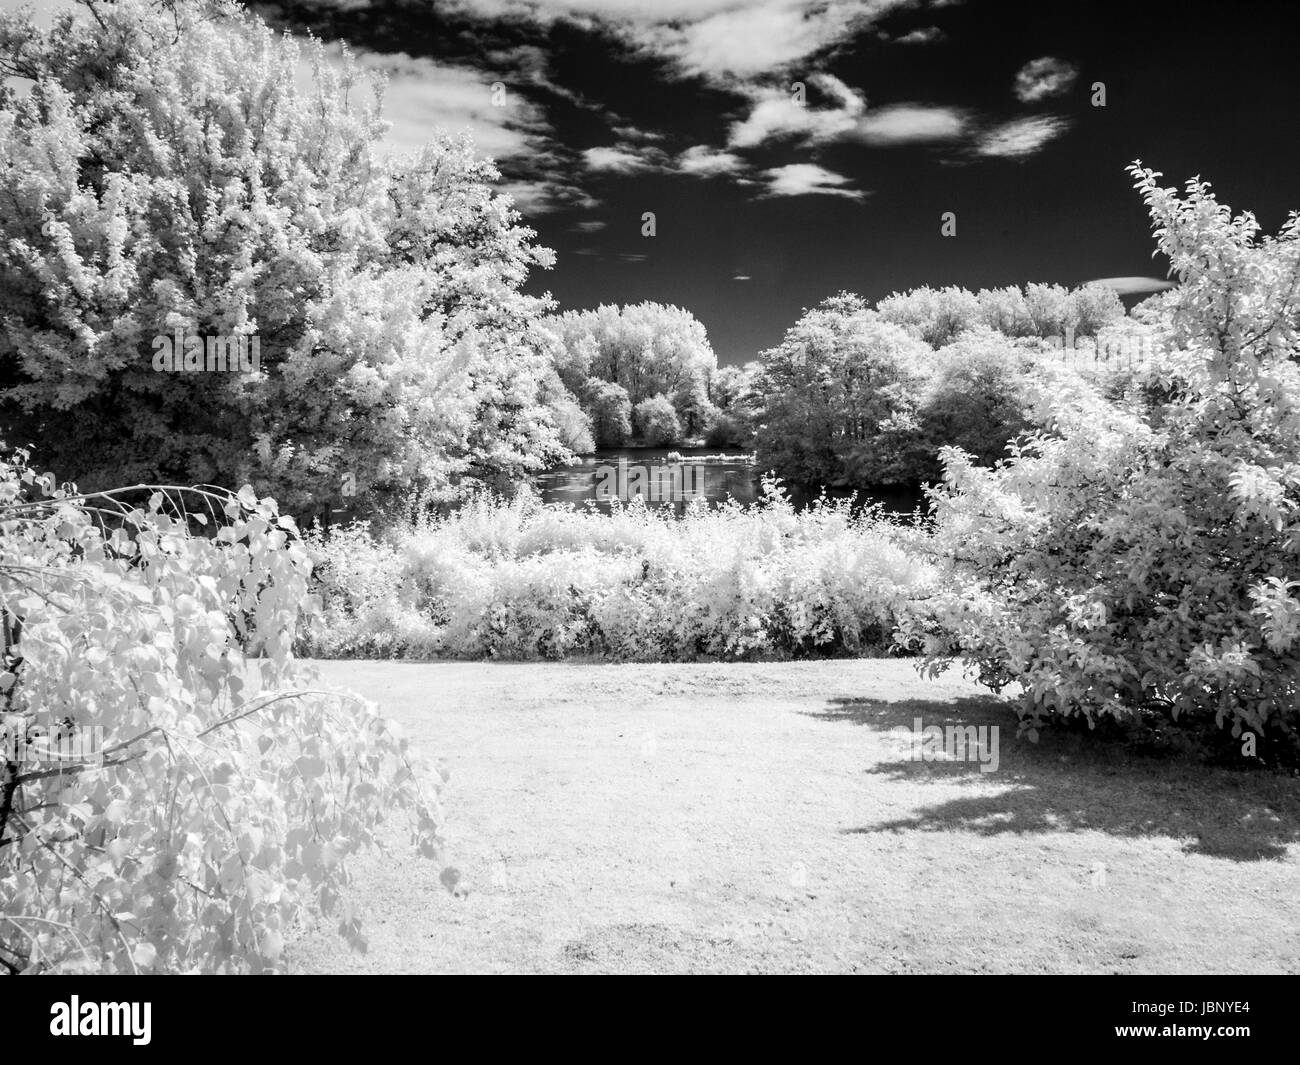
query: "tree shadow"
1074, 782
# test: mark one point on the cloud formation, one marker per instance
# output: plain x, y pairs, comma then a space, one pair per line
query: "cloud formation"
804, 179
1043, 78
776, 115
703, 161
720, 40
1132, 286
1021, 137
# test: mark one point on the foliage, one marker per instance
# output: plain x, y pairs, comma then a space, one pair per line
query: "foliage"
1138, 559
647, 349
611, 414
839, 397
522, 580
167, 803
940, 316
572, 424
726, 429
937, 316
733, 405
656, 421
978, 399
165, 169
1093, 307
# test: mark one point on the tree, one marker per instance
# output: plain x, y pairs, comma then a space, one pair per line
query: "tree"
839, 397
1005, 310
1052, 311
978, 399
656, 421
1093, 307
1138, 560
166, 176
611, 414
727, 384
647, 348
936, 316
571, 422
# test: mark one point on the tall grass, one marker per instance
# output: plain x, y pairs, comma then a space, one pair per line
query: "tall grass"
522, 580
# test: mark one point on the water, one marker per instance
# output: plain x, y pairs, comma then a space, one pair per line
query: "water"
737, 477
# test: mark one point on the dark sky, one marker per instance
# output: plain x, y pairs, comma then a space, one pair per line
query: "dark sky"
913, 108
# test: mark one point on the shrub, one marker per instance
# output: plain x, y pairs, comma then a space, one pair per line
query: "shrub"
1139, 558
727, 430
522, 580
214, 802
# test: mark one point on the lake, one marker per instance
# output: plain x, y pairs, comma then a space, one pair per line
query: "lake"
663, 482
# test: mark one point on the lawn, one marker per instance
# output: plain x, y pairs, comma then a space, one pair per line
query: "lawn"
761, 818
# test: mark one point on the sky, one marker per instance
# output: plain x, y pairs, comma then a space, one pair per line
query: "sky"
792, 149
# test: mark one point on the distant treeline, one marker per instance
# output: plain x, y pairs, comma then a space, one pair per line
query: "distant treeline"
853, 395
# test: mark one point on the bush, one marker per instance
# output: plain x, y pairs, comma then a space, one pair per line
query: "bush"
1139, 559
727, 430
521, 580
204, 805
656, 421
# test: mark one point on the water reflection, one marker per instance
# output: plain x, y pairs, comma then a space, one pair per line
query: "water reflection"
594, 478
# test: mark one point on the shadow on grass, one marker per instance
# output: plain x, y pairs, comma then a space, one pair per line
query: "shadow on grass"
1070, 781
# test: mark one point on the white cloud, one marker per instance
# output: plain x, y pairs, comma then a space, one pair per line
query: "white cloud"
622, 160
926, 35
594, 226
424, 98
1131, 286
632, 133
704, 161
775, 116
718, 39
542, 195
1021, 137
742, 277
805, 179
1042, 78
910, 124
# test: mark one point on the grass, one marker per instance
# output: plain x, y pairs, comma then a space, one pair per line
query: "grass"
761, 818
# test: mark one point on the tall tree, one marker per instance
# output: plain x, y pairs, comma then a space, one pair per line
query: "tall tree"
839, 397
164, 176
648, 349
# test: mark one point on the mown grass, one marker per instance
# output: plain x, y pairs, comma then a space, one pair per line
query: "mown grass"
762, 817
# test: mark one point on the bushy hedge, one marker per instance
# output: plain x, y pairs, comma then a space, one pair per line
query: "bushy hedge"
524, 581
